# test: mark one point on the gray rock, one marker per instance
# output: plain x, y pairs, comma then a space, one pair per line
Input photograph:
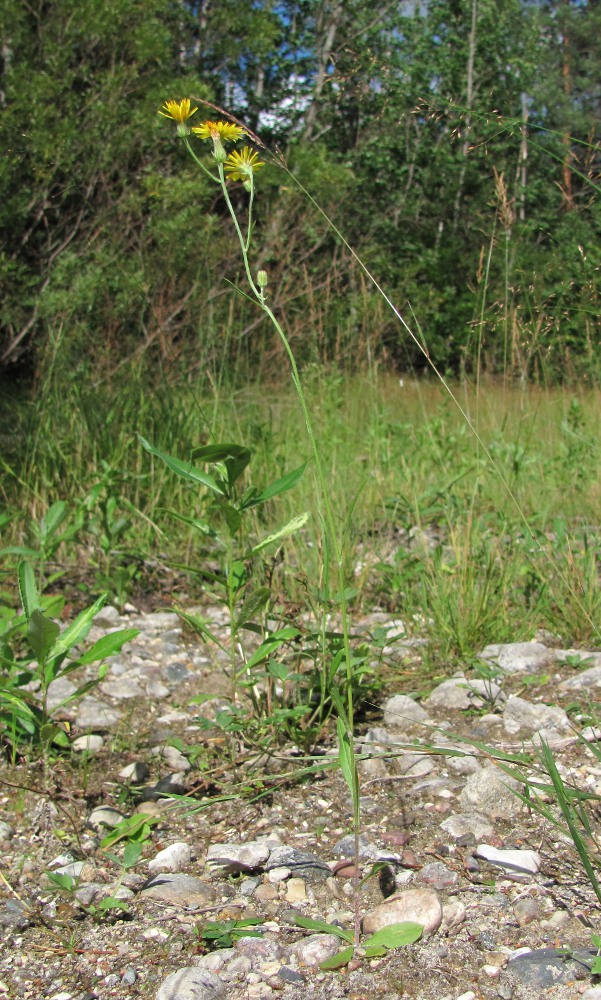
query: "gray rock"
302, 864
228, 963
180, 890
171, 784
401, 709
6, 832
14, 915
514, 862
458, 825
413, 765
463, 765
489, 792
584, 680
105, 816
58, 691
160, 621
134, 773
173, 757
260, 950
421, 906
93, 714
519, 657
172, 858
192, 983
461, 693
437, 876
107, 616
345, 848
124, 687
230, 859
521, 716
546, 967
315, 949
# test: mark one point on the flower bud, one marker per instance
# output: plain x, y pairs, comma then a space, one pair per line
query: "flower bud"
262, 279
218, 151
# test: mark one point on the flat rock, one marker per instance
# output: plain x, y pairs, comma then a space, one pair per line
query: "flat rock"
546, 967
400, 709
421, 906
460, 693
192, 983
230, 859
105, 816
514, 861
585, 679
519, 657
93, 714
302, 864
489, 792
526, 718
180, 890
173, 858
91, 743
459, 825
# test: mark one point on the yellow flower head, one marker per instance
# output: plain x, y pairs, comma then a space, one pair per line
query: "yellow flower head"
240, 166
178, 110
223, 131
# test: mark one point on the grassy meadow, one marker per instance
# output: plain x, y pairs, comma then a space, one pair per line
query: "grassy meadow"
467, 537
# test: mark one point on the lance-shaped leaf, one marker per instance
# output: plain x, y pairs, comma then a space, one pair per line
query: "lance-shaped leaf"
183, 469
322, 927
393, 936
235, 458
41, 634
270, 644
27, 589
289, 529
108, 646
252, 603
78, 629
275, 489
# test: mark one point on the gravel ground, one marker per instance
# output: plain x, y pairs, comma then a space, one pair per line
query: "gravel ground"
244, 840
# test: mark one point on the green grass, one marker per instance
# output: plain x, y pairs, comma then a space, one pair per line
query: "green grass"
430, 531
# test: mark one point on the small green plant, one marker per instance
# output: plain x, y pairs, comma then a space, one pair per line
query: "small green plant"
58, 526
375, 946
216, 934
25, 680
110, 904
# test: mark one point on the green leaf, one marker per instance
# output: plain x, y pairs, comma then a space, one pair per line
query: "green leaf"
62, 881
41, 634
337, 961
53, 518
270, 644
108, 645
78, 629
278, 487
131, 855
234, 456
136, 827
252, 603
183, 469
289, 529
111, 903
395, 936
199, 626
233, 517
323, 928
27, 589
193, 522
596, 966
348, 764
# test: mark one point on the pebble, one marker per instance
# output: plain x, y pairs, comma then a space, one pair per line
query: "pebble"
316, 948
91, 743
173, 858
461, 693
421, 906
457, 825
192, 983
105, 816
296, 890
400, 709
301, 863
177, 889
6, 832
544, 967
94, 714
230, 859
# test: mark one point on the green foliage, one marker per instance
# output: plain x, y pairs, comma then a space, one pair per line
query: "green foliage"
375, 945
224, 933
25, 713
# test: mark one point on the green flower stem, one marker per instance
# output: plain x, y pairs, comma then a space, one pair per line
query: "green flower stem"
329, 517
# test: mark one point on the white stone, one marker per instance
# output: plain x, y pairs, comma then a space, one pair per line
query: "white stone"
513, 861
88, 744
173, 858
523, 716
316, 948
459, 824
400, 708
420, 906
519, 657
489, 791
232, 858
191, 984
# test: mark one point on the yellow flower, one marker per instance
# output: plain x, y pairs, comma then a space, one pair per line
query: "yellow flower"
178, 110
240, 166
219, 130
